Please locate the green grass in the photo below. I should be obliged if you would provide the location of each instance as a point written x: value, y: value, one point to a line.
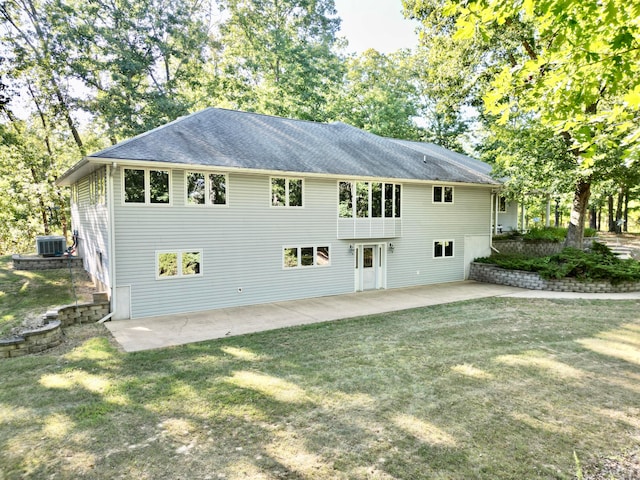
x: 489, y: 389
x: 31, y: 293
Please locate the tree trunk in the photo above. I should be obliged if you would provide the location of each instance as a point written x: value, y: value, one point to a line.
x: 575, y: 233
x: 593, y: 218
x: 619, y: 210
x: 612, y: 222
x: 626, y: 210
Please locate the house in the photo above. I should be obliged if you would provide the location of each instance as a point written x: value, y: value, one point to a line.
x: 224, y: 208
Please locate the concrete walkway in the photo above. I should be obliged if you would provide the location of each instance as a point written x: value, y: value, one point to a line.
x: 163, y: 331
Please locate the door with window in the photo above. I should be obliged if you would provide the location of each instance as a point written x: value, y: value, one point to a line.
x: 369, y: 263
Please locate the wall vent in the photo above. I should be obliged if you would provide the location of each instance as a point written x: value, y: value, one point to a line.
x: 51, y: 246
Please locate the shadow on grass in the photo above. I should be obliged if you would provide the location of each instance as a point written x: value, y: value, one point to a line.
x: 498, y: 388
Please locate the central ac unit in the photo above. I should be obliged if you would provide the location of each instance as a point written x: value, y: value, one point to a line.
x: 51, y: 246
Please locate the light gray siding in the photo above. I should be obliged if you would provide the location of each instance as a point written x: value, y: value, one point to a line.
x: 242, y: 243
x: 89, y: 216
x: 509, y: 220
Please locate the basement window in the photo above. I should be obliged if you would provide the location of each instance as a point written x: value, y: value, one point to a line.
x: 305, y: 257
x: 180, y: 263
x: 443, y: 248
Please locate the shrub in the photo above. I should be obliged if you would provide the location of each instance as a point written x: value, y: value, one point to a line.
x: 598, y: 264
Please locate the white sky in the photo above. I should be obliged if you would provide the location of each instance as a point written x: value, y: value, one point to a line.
x: 377, y: 24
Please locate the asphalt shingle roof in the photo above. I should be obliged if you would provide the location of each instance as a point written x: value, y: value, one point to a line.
x: 226, y: 138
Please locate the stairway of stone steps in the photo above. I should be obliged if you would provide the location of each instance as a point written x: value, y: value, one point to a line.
x: 621, y: 251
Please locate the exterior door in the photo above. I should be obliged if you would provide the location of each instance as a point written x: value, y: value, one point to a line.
x: 369, y: 263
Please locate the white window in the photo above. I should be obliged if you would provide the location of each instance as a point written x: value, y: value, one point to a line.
x: 206, y: 188
x: 442, y: 194
x: 146, y: 186
x: 443, y: 248
x: 302, y: 257
x: 502, y: 204
x: 371, y: 199
x: 178, y: 264
x: 74, y: 194
x: 286, y: 192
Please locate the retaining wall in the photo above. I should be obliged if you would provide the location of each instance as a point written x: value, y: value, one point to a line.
x: 534, y: 249
x: 50, y: 335
x: 34, y: 262
x: 484, y: 272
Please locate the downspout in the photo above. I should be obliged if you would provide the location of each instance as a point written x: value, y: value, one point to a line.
x: 111, y: 225
x: 494, y: 230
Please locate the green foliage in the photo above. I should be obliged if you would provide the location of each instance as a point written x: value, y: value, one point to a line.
x: 598, y: 264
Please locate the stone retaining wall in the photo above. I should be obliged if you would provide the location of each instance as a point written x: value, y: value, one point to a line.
x: 82, y: 313
x: 34, y: 262
x: 487, y: 273
x: 533, y: 249
x: 33, y: 341
x: 50, y: 335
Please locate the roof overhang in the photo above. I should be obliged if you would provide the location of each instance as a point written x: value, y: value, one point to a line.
x: 89, y: 164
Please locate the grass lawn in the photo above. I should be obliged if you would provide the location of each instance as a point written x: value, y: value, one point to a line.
x: 489, y: 389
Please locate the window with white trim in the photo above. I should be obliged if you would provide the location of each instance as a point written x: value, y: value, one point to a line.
x: 442, y: 194
x: 286, y: 192
x: 146, y: 186
x: 303, y: 257
x: 443, y: 248
x: 371, y: 199
x: 206, y: 188
x: 502, y: 204
x: 178, y: 263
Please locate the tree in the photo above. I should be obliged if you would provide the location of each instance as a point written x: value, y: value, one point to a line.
x: 379, y: 95
x: 571, y: 65
x: 138, y: 60
x: 278, y: 56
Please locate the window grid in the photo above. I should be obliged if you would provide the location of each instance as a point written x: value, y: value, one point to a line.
x: 443, y: 249
x: 142, y: 186
x: 442, y: 194
x: 184, y: 263
x: 294, y: 257
x: 369, y: 199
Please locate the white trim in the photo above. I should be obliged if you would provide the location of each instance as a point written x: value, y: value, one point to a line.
x: 299, y: 256
x: 179, y: 253
x: 443, y: 256
x: 207, y: 189
x: 354, y: 198
x: 154, y: 165
x: 147, y: 187
x: 287, y: 180
x: 443, y: 202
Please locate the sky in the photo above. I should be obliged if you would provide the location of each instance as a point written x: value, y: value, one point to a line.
x: 377, y: 24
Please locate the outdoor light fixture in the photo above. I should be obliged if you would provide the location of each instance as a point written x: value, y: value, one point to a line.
x: 351, y: 248
x: 391, y: 247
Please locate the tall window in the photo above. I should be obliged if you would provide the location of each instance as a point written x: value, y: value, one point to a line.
x: 146, y: 186
x: 442, y: 194
x: 371, y: 199
x: 502, y: 204
x: 206, y: 188
x: 286, y: 192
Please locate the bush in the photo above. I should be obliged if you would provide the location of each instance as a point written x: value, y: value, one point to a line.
x: 598, y: 264
x: 546, y: 234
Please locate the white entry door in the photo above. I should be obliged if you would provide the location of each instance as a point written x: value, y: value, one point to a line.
x: 369, y: 267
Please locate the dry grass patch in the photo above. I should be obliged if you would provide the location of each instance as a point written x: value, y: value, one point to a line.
x: 495, y: 388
